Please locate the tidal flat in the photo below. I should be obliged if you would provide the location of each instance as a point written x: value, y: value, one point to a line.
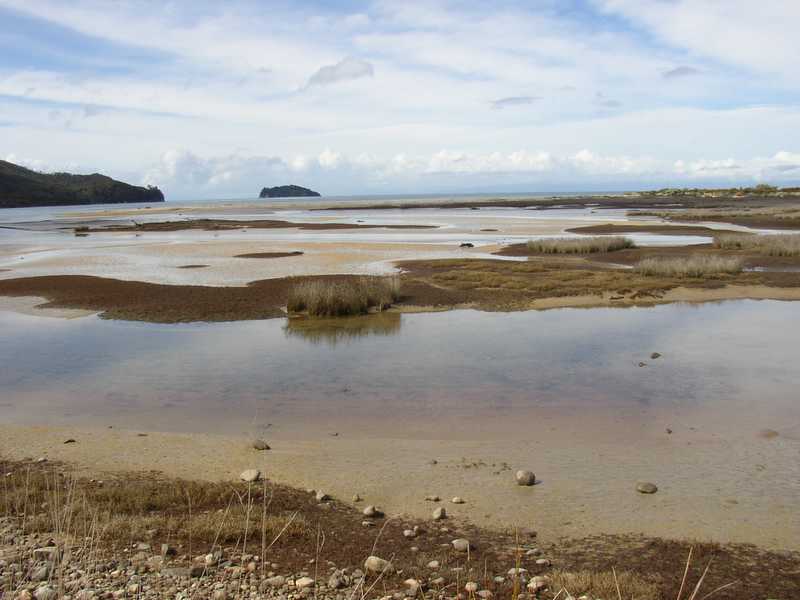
x: 179, y: 351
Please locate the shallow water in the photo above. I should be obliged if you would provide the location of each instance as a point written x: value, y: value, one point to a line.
x: 736, y: 358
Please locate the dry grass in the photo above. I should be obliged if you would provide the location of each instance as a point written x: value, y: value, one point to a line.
x: 701, y: 265
x: 320, y: 298
x: 603, y: 584
x: 771, y: 245
x: 781, y: 213
x: 582, y: 245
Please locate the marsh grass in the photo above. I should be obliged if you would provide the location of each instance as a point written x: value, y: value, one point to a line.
x: 701, y: 265
x: 582, y: 245
x: 320, y: 298
x: 771, y: 245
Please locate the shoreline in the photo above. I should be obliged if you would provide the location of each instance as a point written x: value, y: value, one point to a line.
x: 425, y: 555
x: 343, y: 466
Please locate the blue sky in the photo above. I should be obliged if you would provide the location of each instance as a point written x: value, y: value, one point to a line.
x: 213, y: 100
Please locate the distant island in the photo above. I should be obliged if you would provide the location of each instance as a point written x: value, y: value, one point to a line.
x: 287, y: 191
x: 21, y: 187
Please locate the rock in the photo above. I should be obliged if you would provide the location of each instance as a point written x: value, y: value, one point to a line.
x: 525, y: 478
x: 45, y: 592
x: 485, y: 594
x: 533, y: 552
x: 439, y: 581
x: 645, y: 487
x: 357, y: 498
x: 538, y: 583
x: 515, y: 571
x: 367, y: 524
x: 642, y: 364
x: 250, y: 475
x: 655, y: 355
x: 372, y: 512
x: 260, y: 444
x: 412, y: 585
x: 434, y: 565
x: 338, y: 580
x: 439, y: 513
x: 461, y: 545
x: 322, y: 496
x: 167, y: 550
x: 69, y: 441
x: 409, y: 533
x: 432, y: 498
x: 471, y: 587
x: 466, y: 245
x: 276, y: 581
x: 457, y: 500
x: 542, y: 562
x: 41, y: 573
x: 374, y: 564
x: 303, y: 582
x: 219, y: 595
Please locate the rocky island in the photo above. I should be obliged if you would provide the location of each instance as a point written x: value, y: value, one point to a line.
x: 21, y: 187
x: 287, y: 191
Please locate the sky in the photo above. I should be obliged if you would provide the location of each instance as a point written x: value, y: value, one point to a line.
x: 211, y: 99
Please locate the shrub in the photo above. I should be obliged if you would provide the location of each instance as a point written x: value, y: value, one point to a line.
x: 582, y: 245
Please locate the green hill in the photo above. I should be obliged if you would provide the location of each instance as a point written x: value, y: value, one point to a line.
x: 20, y: 187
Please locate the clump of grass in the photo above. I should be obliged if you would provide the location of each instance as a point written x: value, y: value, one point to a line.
x: 771, y: 245
x: 320, y: 298
x: 701, y: 265
x: 582, y: 245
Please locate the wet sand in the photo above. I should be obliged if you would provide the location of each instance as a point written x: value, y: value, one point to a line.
x: 587, y: 486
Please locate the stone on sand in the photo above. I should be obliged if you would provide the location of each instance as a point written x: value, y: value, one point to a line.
x: 525, y: 477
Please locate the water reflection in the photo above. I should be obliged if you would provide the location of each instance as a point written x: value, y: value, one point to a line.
x: 333, y: 331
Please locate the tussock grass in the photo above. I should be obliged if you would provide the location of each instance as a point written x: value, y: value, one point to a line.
x: 701, y: 265
x: 771, y: 245
x: 321, y: 298
x: 582, y: 245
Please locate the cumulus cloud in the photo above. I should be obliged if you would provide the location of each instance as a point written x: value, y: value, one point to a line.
x: 345, y: 70
x: 679, y: 72
x: 512, y: 101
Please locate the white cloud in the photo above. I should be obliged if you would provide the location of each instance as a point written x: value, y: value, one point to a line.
x: 511, y: 101
x: 346, y: 69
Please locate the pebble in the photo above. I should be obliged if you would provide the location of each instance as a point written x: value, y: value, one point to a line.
x: 655, y: 355
x: 525, y: 477
x: 372, y: 512
x: 303, y: 583
x: 357, y: 498
x: 439, y: 513
x: 434, y: 565
x: 645, y: 487
x: 432, y: 498
x: 471, y: 587
x: 375, y: 564
x: 457, y: 500
x: 542, y: 562
x: 260, y: 444
x: 461, y: 545
x: 515, y: 571
x: 322, y: 496
x: 537, y: 583
x: 250, y: 475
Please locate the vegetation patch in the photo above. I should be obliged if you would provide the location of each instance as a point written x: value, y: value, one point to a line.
x: 771, y: 245
x: 701, y: 265
x: 320, y: 298
x: 582, y: 245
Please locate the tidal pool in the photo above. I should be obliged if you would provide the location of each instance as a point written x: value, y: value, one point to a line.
x: 735, y: 359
